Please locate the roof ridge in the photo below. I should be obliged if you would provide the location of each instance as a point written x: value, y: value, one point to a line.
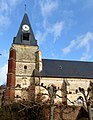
x: 67, y: 60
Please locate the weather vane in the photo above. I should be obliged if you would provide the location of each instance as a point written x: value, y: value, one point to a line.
x: 25, y: 7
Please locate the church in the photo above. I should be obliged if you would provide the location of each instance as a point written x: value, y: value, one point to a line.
x: 27, y: 67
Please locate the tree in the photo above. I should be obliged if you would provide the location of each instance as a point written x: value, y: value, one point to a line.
x: 2, y: 92
x: 52, y: 94
x: 87, y: 98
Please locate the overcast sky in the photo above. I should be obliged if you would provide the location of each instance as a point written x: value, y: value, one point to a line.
x: 63, y: 28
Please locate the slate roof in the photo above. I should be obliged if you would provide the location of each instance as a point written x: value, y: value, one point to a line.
x: 66, y: 68
x: 18, y: 38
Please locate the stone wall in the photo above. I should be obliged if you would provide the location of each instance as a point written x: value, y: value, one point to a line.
x: 25, y: 64
x: 72, y: 85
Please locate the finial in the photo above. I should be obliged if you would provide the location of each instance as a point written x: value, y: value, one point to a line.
x: 25, y: 8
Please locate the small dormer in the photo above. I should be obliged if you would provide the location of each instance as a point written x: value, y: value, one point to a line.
x: 25, y: 34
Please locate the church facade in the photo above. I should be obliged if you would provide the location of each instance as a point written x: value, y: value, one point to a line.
x: 26, y: 67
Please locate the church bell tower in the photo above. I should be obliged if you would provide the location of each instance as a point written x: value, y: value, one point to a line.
x: 24, y: 58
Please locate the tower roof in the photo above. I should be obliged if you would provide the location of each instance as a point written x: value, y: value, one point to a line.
x: 18, y: 39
